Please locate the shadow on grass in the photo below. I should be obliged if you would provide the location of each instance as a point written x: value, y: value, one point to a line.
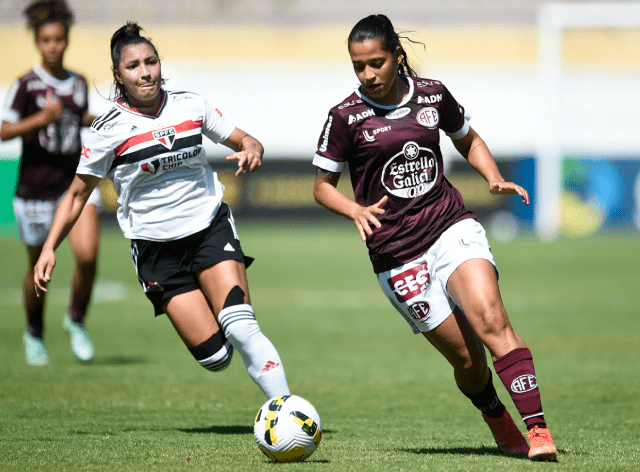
x: 228, y: 430
x: 462, y: 451
x: 118, y: 360
x: 220, y: 430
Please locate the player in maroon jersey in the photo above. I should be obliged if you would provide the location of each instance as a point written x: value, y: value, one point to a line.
x: 46, y: 108
x: 431, y: 256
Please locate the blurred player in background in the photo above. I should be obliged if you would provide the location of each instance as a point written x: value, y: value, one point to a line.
x: 46, y: 108
x: 185, y: 246
x: 431, y: 256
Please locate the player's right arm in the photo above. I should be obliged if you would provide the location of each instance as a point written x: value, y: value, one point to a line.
x: 50, y: 112
x: 326, y: 194
x: 66, y: 215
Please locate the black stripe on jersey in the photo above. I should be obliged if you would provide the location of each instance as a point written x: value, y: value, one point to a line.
x: 100, y: 122
x: 152, y: 151
x: 177, y: 93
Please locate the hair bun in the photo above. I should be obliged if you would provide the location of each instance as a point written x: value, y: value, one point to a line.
x: 130, y: 30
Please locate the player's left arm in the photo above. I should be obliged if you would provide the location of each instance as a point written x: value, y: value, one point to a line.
x: 248, y: 151
x: 475, y: 151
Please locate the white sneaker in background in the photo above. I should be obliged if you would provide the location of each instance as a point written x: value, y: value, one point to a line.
x: 35, y: 350
x: 80, y: 342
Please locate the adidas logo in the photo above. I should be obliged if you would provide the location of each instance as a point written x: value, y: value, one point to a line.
x: 133, y: 128
x: 229, y: 248
x: 270, y: 366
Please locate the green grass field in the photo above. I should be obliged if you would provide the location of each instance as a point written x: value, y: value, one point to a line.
x: 387, y: 398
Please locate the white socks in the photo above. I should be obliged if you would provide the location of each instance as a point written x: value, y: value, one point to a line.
x: 259, y: 355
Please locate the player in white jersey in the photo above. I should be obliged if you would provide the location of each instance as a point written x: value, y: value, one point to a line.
x: 432, y: 259
x: 184, y: 245
x: 46, y: 108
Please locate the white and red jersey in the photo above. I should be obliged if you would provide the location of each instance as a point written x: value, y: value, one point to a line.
x: 394, y: 151
x: 49, y: 154
x: 166, y: 188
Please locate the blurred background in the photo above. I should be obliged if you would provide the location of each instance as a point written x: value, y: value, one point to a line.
x: 552, y: 89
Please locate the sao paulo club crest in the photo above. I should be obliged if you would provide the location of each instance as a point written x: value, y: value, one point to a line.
x: 166, y: 137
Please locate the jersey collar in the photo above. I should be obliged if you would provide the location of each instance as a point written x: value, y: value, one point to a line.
x: 390, y: 107
x: 122, y: 104
x: 64, y: 86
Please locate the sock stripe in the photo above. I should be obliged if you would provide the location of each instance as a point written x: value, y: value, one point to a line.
x: 226, y: 319
x: 525, y: 418
x: 216, y: 363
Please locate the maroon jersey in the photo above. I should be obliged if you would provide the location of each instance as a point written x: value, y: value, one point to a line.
x: 50, y: 155
x: 395, y: 151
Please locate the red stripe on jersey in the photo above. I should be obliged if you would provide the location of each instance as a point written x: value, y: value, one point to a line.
x: 145, y: 137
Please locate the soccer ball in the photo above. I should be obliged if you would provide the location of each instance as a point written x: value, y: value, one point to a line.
x: 287, y: 429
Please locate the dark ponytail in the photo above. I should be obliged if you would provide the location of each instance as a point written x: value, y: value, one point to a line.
x: 41, y: 12
x: 125, y: 36
x: 380, y: 27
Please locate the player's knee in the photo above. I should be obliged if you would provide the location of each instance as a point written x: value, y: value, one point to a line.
x: 215, y: 353
x: 86, y: 263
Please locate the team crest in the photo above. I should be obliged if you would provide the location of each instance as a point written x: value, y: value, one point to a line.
x: 166, y: 137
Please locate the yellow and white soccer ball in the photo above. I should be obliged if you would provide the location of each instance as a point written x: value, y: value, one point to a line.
x: 287, y: 429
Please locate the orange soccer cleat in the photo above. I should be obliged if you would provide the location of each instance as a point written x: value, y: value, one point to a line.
x: 542, y: 446
x: 507, y: 435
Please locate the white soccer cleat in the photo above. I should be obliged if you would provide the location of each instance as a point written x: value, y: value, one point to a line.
x: 35, y: 350
x: 80, y: 342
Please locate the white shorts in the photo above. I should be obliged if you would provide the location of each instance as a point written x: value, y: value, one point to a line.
x: 418, y: 289
x: 34, y: 217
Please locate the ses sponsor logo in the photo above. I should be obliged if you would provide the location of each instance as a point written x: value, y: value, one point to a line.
x: 361, y: 116
x: 166, y: 137
x: 427, y: 83
x: 524, y: 383
x: 348, y: 104
x: 410, y: 173
x: 325, y: 135
x: 430, y: 98
x: 428, y: 117
x: 372, y: 136
x: 410, y: 283
x: 398, y: 113
x: 420, y: 311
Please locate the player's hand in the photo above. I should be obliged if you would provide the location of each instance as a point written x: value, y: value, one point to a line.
x: 367, y: 215
x: 509, y: 188
x: 52, y: 109
x: 248, y: 161
x: 42, y: 271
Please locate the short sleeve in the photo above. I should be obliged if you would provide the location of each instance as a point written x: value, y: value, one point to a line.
x: 15, y: 103
x: 215, y: 126
x: 334, y: 145
x: 97, y: 156
x: 452, y: 120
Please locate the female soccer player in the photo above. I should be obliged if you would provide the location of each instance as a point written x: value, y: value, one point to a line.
x: 184, y: 242
x: 431, y: 256
x: 46, y: 108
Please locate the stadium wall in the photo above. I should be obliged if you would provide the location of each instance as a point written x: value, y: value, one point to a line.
x: 279, y: 83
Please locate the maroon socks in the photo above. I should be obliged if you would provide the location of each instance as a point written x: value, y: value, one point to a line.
x: 519, y: 377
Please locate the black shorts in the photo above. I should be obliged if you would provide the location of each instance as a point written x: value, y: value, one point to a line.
x: 168, y: 268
